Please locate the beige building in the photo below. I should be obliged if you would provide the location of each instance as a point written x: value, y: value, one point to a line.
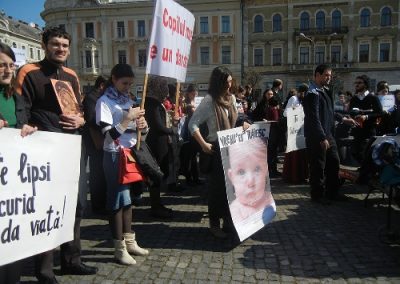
x: 105, y: 33
x: 287, y: 39
x: 276, y: 38
x: 24, y: 38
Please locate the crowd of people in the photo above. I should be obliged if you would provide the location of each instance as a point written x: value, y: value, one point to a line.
x: 177, y: 130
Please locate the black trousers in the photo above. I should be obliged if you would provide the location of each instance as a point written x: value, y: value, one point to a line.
x: 217, y: 199
x: 189, y: 164
x: 70, y: 252
x: 97, y: 181
x: 10, y: 273
x: 324, y: 169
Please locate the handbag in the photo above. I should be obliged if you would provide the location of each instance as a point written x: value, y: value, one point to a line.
x: 129, y: 171
x: 148, y: 164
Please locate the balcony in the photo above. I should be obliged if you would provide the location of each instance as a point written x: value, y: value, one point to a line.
x: 327, y: 31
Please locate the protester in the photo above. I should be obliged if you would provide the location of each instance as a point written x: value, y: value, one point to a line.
x: 160, y: 138
x: 94, y: 141
x: 120, y: 123
x: 44, y: 111
x: 248, y: 173
x: 295, y: 169
x: 219, y: 112
x: 268, y: 109
x: 370, y: 110
x: 320, y: 142
x: 190, y: 149
x: 13, y: 117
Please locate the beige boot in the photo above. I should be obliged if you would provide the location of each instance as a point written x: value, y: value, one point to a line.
x: 121, y: 254
x: 132, y: 246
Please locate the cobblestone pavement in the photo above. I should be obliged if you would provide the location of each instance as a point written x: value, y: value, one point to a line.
x: 306, y: 243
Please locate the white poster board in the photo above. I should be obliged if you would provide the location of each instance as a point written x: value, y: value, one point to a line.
x: 295, y: 132
x: 20, y: 56
x: 244, y: 159
x: 39, y: 177
x: 387, y: 102
x: 170, y: 41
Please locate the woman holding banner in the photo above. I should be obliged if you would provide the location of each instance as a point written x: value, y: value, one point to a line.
x: 218, y: 111
x: 119, y: 123
x: 10, y: 116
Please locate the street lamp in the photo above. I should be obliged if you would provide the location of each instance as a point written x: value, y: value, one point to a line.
x: 312, y: 51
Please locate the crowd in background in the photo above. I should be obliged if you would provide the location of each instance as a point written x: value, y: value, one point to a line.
x: 180, y: 135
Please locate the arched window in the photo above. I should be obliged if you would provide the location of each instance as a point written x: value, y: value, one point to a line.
x: 336, y: 20
x: 258, y: 24
x: 277, y: 23
x: 386, y: 17
x: 320, y: 20
x: 304, y: 21
x: 365, y: 18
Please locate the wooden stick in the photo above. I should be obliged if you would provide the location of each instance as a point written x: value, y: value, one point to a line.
x: 178, y: 88
x: 139, y: 134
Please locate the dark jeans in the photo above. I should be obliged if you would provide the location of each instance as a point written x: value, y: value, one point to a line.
x: 10, y: 273
x: 324, y: 169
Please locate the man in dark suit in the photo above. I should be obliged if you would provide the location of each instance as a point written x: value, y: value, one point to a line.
x: 319, y: 125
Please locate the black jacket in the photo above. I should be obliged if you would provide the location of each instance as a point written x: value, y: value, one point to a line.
x: 319, y: 115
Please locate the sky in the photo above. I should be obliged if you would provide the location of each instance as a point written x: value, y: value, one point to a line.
x: 25, y: 10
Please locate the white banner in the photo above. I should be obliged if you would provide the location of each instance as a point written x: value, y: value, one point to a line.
x: 295, y: 132
x: 170, y: 40
x: 38, y: 191
x: 244, y: 158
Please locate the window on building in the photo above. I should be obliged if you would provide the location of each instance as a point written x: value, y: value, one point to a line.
x: 226, y: 54
x: 88, y: 59
x: 122, y: 56
x: 204, y: 25
x: 226, y: 24
x: 319, y: 54
x: 304, y: 55
x: 89, y: 30
x: 142, y: 54
x: 204, y: 55
x: 141, y: 28
x: 277, y: 23
x: 386, y: 17
x: 23, y: 46
x: 384, y: 52
x: 304, y: 21
x: 31, y: 52
x: 258, y: 57
x: 258, y: 24
x: 365, y: 18
x: 277, y: 56
x: 14, y: 45
x: 38, y: 54
x: 320, y: 20
x: 364, y: 53
x: 335, y: 53
x: 96, y: 59
x: 336, y: 20
x: 121, y: 29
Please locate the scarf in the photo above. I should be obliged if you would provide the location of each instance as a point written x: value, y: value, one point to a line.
x: 222, y: 105
x: 116, y: 96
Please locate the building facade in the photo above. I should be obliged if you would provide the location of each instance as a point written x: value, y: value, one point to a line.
x: 275, y: 38
x: 24, y: 38
x: 105, y: 33
x: 287, y: 39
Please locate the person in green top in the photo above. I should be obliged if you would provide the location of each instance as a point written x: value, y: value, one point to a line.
x: 10, y: 117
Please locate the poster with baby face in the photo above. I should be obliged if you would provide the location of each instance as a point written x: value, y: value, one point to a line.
x: 244, y: 159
